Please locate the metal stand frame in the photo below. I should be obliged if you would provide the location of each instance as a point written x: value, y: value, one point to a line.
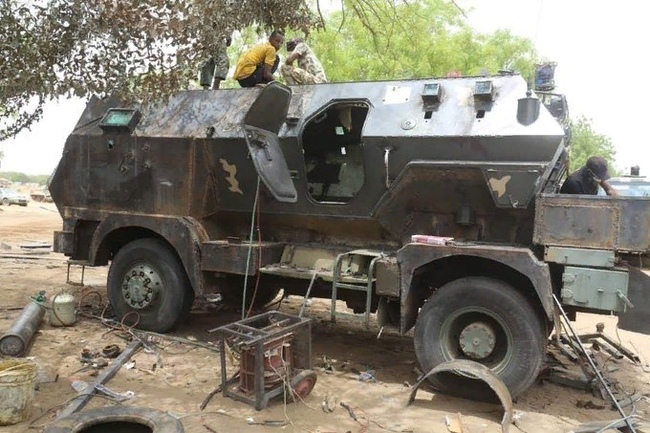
x: 258, y: 333
x: 81, y: 263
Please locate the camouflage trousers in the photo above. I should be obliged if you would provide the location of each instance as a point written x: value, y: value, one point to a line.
x: 215, y: 67
x: 296, y: 76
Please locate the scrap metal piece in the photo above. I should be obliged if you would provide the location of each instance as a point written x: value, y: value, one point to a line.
x: 601, y: 426
x: 615, y: 345
x: 84, y: 396
x: 478, y: 371
x: 111, y: 351
x: 567, y: 351
x: 569, y: 378
x: 593, y: 366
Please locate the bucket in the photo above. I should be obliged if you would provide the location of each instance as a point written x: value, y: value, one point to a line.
x: 17, y: 384
x: 62, y: 312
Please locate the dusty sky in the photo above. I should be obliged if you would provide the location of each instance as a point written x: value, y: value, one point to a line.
x: 597, y: 45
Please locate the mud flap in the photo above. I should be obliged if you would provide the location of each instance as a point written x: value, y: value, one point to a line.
x: 262, y: 124
x: 636, y: 318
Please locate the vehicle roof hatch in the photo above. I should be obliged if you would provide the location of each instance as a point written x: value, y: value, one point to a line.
x: 261, y: 126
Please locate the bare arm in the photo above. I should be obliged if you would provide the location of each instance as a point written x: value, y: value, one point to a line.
x: 609, y: 190
x: 267, y: 73
x: 292, y: 57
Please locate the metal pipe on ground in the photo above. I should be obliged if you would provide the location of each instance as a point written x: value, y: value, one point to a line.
x: 16, y: 340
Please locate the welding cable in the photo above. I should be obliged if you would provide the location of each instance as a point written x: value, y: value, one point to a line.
x: 92, y: 292
x: 250, y: 250
x: 259, y: 260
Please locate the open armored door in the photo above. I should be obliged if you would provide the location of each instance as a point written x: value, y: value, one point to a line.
x: 261, y: 126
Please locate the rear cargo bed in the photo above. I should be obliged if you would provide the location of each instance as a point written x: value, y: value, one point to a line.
x: 621, y: 224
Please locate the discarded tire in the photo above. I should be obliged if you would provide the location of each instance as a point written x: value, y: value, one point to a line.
x: 118, y: 419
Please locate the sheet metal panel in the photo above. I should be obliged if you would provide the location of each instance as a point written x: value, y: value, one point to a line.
x: 613, y: 223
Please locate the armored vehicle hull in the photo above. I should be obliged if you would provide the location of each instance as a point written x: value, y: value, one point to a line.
x: 412, y: 199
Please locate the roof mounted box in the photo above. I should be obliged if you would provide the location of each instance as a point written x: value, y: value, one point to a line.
x: 120, y: 120
x: 484, y: 91
x: 431, y: 93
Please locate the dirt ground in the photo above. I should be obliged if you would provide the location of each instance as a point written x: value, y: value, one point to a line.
x: 185, y: 374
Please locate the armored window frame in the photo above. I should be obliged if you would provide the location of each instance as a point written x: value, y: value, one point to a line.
x: 333, y: 152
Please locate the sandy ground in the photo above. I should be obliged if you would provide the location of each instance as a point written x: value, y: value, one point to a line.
x: 186, y: 374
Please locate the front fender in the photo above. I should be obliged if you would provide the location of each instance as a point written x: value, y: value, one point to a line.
x: 184, y: 234
x: 414, y: 256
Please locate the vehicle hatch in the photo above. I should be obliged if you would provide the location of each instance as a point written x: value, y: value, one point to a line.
x: 261, y: 126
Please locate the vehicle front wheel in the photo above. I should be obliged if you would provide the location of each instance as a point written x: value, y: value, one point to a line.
x: 146, y: 277
x: 483, y: 320
x: 6, y: 202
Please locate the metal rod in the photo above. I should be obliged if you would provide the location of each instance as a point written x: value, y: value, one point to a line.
x: 304, y: 301
x: 86, y: 395
x: 593, y: 366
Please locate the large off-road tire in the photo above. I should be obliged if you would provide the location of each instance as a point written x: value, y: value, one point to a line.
x: 146, y: 277
x: 6, y: 202
x: 483, y: 320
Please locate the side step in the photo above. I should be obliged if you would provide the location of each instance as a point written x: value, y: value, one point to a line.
x: 82, y: 264
x: 339, y: 283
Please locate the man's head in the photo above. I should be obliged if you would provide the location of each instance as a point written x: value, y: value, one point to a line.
x: 276, y: 39
x: 292, y: 43
x: 598, y: 168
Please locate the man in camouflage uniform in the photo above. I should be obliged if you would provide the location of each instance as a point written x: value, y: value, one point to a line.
x: 309, y: 69
x: 215, y: 69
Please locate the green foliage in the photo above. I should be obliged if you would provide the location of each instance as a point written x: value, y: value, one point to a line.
x: 14, y: 176
x: 587, y: 142
x: 423, y: 38
x: 145, y: 49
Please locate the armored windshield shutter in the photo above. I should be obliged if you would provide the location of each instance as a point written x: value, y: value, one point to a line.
x: 261, y: 126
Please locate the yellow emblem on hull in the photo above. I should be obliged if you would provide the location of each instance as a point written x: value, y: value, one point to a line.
x: 231, y: 169
x: 499, y: 185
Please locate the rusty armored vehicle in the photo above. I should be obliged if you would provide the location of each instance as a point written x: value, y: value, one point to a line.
x: 431, y: 203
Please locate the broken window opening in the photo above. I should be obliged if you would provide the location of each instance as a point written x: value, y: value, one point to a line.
x: 333, y: 153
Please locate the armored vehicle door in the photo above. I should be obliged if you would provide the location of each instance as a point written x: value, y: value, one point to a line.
x: 261, y: 126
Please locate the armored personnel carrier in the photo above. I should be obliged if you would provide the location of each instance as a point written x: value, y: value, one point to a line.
x: 431, y: 203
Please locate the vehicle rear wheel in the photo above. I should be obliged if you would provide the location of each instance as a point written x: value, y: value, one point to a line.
x: 146, y: 277
x: 483, y: 320
x: 6, y: 202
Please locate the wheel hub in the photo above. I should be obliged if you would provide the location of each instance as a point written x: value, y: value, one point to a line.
x: 477, y: 340
x: 140, y: 286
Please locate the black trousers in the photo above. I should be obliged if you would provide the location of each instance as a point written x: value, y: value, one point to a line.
x: 257, y: 77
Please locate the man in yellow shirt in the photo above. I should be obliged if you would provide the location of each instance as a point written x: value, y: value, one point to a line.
x: 257, y: 65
